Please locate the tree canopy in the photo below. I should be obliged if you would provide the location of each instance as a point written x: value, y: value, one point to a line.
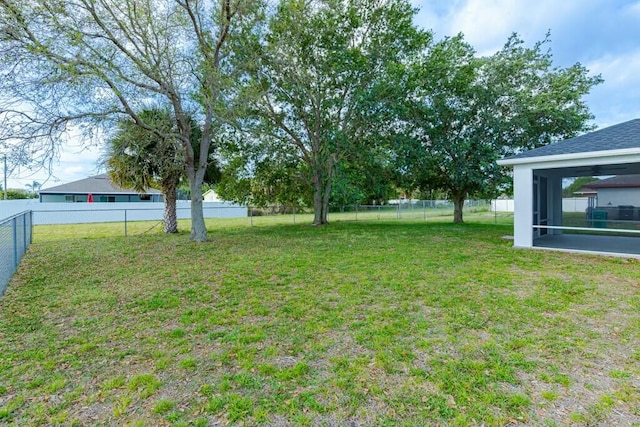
x: 140, y: 159
x: 83, y: 65
x: 465, y: 112
x: 320, y: 102
x: 577, y: 185
x: 260, y: 173
x: 320, y: 71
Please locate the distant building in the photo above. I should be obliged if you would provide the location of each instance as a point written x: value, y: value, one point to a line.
x: 211, y: 196
x: 99, y: 188
x: 616, y: 191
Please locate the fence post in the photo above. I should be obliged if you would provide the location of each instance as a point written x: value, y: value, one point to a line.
x: 251, y: 216
x: 24, y: 232
x: 30, y: 227
x: 14, y: 225
x: 125, y: 223
x: 424, y: 210
x: 398, y: 214
x: 356, y: 211
x: 294, y: 214
x: 379, y: 208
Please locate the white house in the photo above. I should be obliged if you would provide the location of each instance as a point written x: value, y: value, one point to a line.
x: 538, y: 175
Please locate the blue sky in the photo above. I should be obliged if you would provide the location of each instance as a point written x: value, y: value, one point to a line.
x: 603, y: 35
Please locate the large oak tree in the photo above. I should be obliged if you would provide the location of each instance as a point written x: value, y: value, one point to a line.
x: 320, y: 73
x: 84, y: 64
x: 465, y: 112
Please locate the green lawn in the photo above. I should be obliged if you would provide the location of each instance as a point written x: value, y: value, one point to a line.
x: 578, y: 219
x: 359, y: 323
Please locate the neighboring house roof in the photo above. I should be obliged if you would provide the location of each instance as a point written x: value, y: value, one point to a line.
x: 586, y: 191
x: 617, y: 137
x: 619, y: 181
x: 99, y: 184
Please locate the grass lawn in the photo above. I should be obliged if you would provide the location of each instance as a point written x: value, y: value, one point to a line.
x: 578, y: 219
x: 359, y: 323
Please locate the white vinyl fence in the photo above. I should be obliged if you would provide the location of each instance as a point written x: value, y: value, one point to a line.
x: 502, y: 205
x: 17, y: 218
x: 575, y: 204
x: 82, y: 213
x: 569, y: 204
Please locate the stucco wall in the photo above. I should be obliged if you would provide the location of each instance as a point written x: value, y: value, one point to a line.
x: 618, y: 196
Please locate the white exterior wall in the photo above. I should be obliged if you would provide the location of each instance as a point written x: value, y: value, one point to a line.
x: 618, y: 196
x: 80, y: 213
x: 523, y: 203
x: 211, y: 196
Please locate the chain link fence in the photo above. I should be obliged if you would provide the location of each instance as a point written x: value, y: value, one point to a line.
x: 107, y: 219
x: 16, y: 231
x: 473, y: 210
x: 15, y: 238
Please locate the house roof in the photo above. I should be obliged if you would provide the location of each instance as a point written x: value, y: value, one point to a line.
x: 99, y: 184
x: 619, y: 181
x: 617, y: 137
x: 586, y: 191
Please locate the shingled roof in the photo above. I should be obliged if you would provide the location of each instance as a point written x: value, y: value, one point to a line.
x: 99, y: 184
x: 618, y: 181
x: 616, y: 137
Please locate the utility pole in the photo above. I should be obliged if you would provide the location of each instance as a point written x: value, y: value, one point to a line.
x: 5, y: 177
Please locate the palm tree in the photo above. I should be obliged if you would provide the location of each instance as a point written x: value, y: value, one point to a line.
x: 139, y: 159
x: 34, y: 187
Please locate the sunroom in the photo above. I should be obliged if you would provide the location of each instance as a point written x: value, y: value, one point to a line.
x: 609, y: 224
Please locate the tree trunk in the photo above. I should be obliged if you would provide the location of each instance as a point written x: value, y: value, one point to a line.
x: 195, y: 170
x: 458, y: 204
x: 317, y: 198
x: 198, y: 227
x: 170, y: 216
x: 321, y: 194
x: 325, y: 198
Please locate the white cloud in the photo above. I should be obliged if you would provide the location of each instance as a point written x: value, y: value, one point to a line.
x: 75, y: 153
x: 617, y: 99
x: 75, y: 162
x: 78, y: 158
x: 620, y: 71
x: 634, y: 9
x: 601, y: 34
x: 487, y: 24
